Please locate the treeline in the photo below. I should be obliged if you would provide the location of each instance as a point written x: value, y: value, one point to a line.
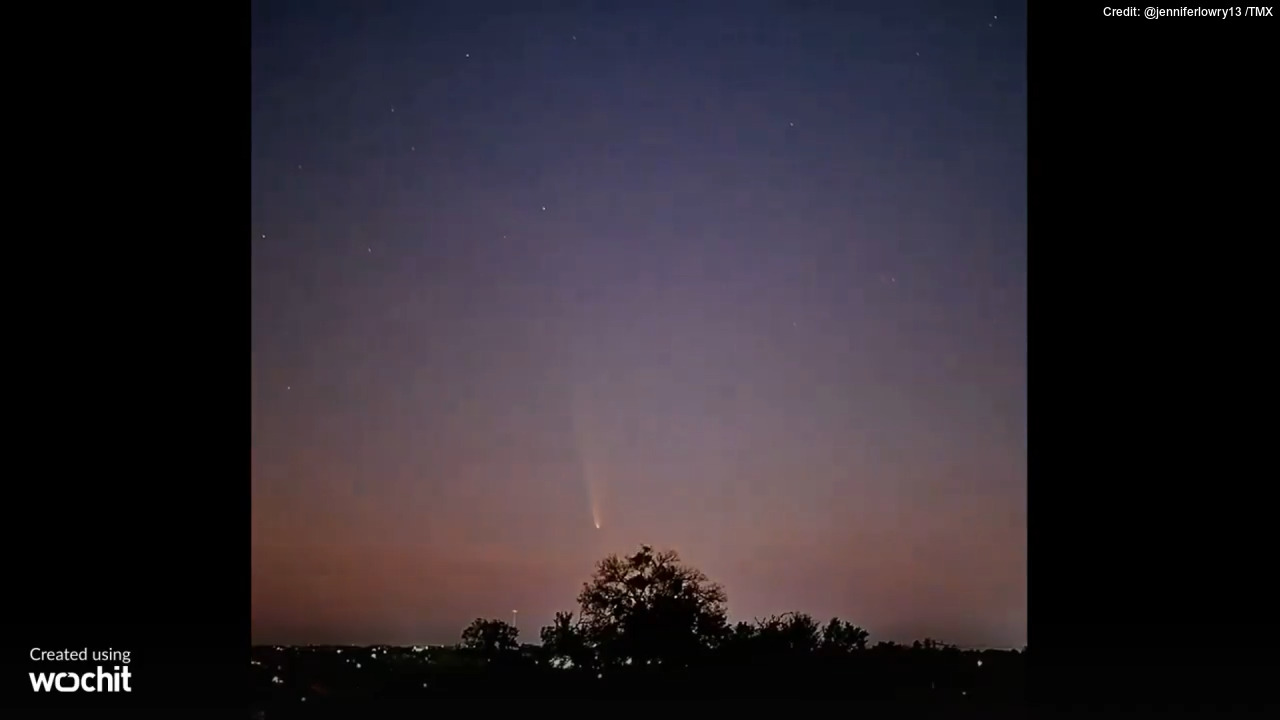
x: 648, y: 627
x: 648, y: 618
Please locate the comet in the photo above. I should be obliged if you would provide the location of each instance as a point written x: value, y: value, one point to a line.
x: 587, y: 442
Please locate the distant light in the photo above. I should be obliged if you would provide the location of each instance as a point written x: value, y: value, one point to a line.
x: 339, y: 651
x: 979, y: 663
x: 357, y: 666
x: 599, y: 676
x: 468, y: 54
x: 304, y: 699
x: 277, y: 680
x: 544, y: 207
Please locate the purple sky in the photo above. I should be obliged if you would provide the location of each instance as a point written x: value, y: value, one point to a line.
x: 743, y: 279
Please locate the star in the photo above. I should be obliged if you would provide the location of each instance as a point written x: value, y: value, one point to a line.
x: 393, y: 109
x: 544, y: 207
x: 413, y: 148
x: 264, y: 236
x: 369, y: 249
x: 792, y: 124
x: 468, y: 55
x: 288, y: 387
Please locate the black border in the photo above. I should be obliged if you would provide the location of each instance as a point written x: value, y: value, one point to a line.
x: 128, y: 484
x: 1151, y: 184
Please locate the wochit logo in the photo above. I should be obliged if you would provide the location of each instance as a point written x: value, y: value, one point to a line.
x: 98, y: 680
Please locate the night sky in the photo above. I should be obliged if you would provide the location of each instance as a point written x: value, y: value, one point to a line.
x: 743, y: 279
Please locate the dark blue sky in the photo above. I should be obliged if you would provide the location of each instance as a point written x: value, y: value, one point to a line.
x: 746, y: 279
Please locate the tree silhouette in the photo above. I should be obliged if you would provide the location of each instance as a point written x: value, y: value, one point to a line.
x: 648, y: 608
x: 490, y: 639
x: 648, y: 621
x: 565, y: 643
x: 788, y: 635
x: 839, y: 637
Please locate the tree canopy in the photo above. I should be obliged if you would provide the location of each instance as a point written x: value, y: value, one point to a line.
x: 490, y: 638
x: 648, y: 613
x: 650, y: 608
